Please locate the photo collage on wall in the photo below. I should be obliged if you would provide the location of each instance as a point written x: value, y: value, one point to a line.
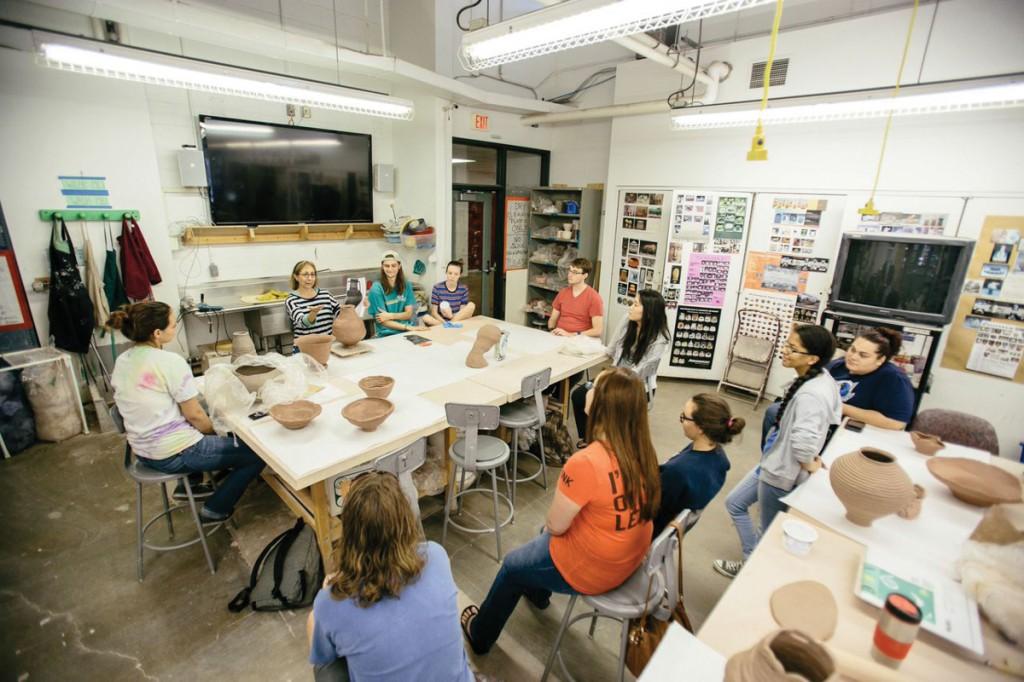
x: 730, y: 219
x: 692, y: 218
x: 765, y: 272
x: 694, y: 337
x: 642, y: 211
x: 637, y: 264
x: 932, y: 224
x: 795, y: 224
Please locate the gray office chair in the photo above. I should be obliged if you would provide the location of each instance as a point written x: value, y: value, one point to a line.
x: 478, y: 454
x: 526, y: 413
x: 652, y: 589
x: 142, y: 474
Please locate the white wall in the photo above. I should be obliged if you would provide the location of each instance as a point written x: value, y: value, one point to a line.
x: 949, y: 155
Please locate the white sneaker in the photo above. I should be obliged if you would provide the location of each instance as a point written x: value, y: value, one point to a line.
x: 727, y: 568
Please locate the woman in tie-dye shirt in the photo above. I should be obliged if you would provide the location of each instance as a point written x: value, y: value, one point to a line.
x: 167, y: 428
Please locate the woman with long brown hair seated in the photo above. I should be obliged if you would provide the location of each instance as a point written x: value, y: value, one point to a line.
x: 599, y: 524
x: 389, y: 611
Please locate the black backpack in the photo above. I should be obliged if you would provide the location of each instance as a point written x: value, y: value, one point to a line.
x: 296, y: 575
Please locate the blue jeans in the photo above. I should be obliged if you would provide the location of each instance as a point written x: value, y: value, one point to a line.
x: 214, y: 453
x: 768, y: 421
x: 747, y: 492
x: 526, y: 571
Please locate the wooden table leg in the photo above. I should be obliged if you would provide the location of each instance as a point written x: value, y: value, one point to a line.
x: 322, y: 525
x: 450, y: 436
x: 565, y: 400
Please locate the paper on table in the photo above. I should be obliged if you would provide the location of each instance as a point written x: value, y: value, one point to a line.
x: 680, y: 656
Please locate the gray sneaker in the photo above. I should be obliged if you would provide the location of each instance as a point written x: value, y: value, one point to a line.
x: 727, y: 568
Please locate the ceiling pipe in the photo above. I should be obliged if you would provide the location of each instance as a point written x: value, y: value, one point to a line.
x: 716, y: 72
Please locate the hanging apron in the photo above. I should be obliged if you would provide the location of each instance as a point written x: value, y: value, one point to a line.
x: 70, y: 310
x: 94, y: 285
x: 136, y: 279
x: 112, y: 285
x: 145, y: 257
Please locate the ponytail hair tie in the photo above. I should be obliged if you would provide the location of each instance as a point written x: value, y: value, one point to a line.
x: 729, y: 423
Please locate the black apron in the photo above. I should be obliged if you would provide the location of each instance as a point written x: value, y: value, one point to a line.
x: 70, y: 314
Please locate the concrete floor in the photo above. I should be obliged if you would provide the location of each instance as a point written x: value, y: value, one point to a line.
x: 73, y: 608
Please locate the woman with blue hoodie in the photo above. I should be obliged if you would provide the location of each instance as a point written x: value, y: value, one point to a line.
x: 807, y: 414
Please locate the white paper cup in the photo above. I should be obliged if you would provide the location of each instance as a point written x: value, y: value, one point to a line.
x: 797, y: 537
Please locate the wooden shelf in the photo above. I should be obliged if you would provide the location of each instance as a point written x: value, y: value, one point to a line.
x: 544, y: 287
x: 554, y: 239
x: 241, y: 234
x: 557, y: 215
x: 545, y: 264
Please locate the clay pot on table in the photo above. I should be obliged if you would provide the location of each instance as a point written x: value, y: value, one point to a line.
x: 870, y: 484
x: 488, y: 335
x: 377, y: 386
x: 296, y: 414
x: 782, y: 656
x: 975, y: 482
x: 317, y: 346
x: 368, y: 413
x: 241, y: 344
x: 926, y: 443
x: 913, y: 509
x: 348, y: 327
x: 254, y: 376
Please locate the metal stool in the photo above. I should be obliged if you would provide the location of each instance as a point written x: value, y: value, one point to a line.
x: 647, y: 375
x: 526, y: 413
x: 652, y: 589
x: 401, y: 463
x: 142, y: 474
x: 478, y: 454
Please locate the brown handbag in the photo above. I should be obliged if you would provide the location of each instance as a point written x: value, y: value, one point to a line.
x: 645, y: 632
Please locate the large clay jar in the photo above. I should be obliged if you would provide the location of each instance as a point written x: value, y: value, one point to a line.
x: 870, y: 484
x: 782, y: 656
x: 348, y: 327
x: 485, y: 340
x: 241, y: 344
x: 317, y: 346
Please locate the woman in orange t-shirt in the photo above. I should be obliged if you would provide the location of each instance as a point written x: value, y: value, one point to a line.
x: 599, y: 524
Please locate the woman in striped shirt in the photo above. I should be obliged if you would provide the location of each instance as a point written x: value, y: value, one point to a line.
x: 310, y: 309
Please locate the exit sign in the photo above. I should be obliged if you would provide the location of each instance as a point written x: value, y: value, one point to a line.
x: 480, y: 122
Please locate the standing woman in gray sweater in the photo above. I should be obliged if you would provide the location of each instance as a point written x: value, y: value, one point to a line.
x: 639, y: 342
x: 809, y: 409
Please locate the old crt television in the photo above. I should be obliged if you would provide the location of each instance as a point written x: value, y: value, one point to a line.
x: 912, y: 279
x: 263, y: 173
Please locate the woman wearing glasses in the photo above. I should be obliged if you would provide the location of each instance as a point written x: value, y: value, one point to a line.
x: 807, y: 413
x: 311, y: 310
x: 639, y: 343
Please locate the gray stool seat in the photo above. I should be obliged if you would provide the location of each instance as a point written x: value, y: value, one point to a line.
x: 626, y: 600
x: 491, y: 452
x: 519, y: 414
x: 143, y: 474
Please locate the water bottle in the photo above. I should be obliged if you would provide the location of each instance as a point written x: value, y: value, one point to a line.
x: 502, y: 349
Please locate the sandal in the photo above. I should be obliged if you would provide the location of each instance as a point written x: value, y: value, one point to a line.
x: 465, y: 620
x: 580, y: 444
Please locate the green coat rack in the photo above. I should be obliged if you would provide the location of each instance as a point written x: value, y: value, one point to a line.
x: 49, y: 214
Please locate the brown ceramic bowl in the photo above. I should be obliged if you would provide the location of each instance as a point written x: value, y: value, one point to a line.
x: 975, y: 482
x: 368, y: 413
x: 254, y: 376
x: 295, y: 415
x: 926, y: 443
x: 377, y: 386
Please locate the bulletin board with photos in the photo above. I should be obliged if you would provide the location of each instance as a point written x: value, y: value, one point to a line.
x: 640, y: 231
x: 987, y: 334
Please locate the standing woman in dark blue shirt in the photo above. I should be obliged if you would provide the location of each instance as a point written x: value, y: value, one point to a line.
x: 692, y: 478
x: 873, y: 389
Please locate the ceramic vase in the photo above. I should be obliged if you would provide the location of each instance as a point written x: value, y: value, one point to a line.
x: 870, y: 484
x: 317, y: 346
x: 782, y: 656
x: 241, y: 344
x: 488, y: 335
x: 348, y: 327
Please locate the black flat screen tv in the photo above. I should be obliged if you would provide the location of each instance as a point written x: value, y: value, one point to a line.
x: 912, y: 279
x: 260, y: 173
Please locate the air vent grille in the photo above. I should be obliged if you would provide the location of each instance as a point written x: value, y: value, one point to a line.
x: 780, y: 67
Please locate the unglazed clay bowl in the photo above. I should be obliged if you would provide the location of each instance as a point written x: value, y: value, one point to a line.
x: 975, y: 482
x: 377, y: 386
x: 254, y: 376
x: 295, y: 415
x: 368, y: 413
x: 926, y: 443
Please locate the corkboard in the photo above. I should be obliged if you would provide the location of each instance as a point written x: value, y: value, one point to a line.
x: 961, y: 336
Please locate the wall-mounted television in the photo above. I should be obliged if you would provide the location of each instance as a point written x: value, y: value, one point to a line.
x: 913, y: 279
x: 260, y: 173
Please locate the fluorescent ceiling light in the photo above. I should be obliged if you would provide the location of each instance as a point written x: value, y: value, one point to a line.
x: 582, y: 22
x: 463, y: 160
x: 991, y: 97
x: 177, y: 72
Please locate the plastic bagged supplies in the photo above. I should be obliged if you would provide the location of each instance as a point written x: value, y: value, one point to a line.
x: 582, y: 346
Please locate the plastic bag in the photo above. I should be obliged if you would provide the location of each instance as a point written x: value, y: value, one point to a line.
x: 298, y: 373
x: 53, y: 403
x: 582, y: 346
x: 225, y: 393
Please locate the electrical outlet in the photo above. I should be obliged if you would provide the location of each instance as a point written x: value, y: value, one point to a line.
x: 478, y: 22
x: 289, y: 109
x: 307, y: 112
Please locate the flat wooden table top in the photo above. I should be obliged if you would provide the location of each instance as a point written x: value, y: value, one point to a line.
x: 743, y: 615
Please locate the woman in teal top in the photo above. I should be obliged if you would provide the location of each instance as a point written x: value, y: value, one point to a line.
x: 392, y: 304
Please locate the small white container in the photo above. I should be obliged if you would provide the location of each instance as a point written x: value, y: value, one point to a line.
x: 797, y: 537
